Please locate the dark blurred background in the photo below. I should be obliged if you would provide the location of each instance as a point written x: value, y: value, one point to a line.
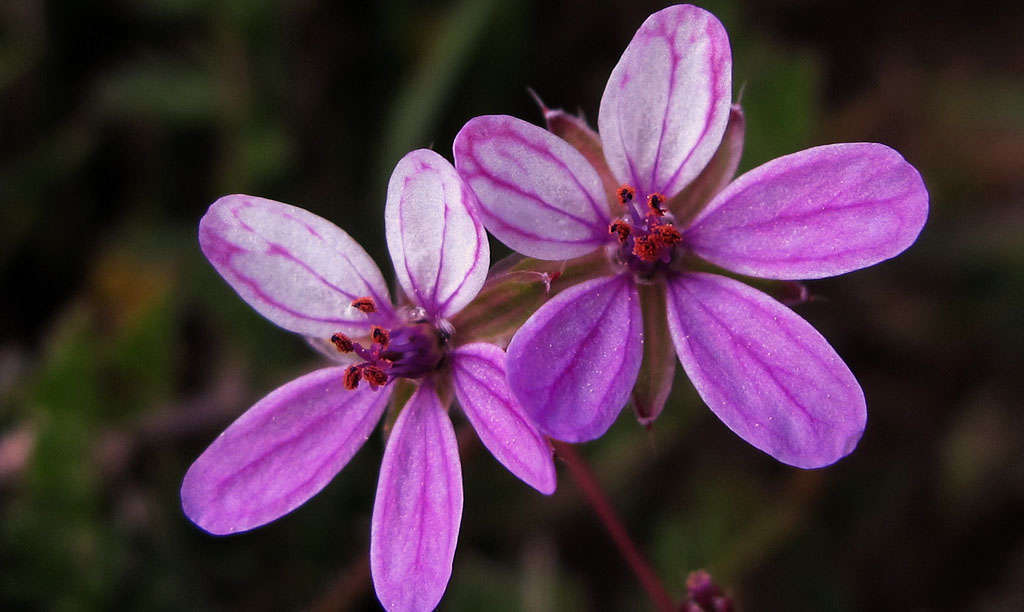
x: 123, y: 354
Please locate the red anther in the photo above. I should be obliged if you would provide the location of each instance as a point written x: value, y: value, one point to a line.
x: 352, y: 376
x: 380, y: 335
x: 374, y: 375
x: 365, y: 304
x: 342, y: 343
x: 654, y: 202
x: 646, y: 249
x: 668, y: 235
x: 621, y: 228
x: 625, y: 194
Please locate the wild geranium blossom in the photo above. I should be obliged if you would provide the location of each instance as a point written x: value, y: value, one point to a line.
x: 653, y: 191
x: 309, y: 277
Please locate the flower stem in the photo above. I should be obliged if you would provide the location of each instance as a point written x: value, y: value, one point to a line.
x: 588, y: 485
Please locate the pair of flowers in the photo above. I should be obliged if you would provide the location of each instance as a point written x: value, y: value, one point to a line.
x: 645, y: 204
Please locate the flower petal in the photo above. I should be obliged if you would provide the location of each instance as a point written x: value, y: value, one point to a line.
x: 280, y: 453
x: 764, y: 371
x: 688, y: 203
x: 437, y: 243
x: 503, y: 427
x: 576, y: 132
x: 667, y: 100
x: 418, y: 509
x: 538, y: 194
x: 298, y: 270
x: 812, y: 214
x: 573, y: 363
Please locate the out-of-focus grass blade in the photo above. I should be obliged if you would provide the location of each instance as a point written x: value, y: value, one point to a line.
x: 417, y: 106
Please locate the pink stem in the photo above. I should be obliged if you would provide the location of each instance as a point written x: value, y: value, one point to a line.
x: 588, y: 485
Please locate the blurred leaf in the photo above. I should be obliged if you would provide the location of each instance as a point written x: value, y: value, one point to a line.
x: 163, y: 91
x: 780, y: 91
x: 265, y: 152
x: 418, y: 103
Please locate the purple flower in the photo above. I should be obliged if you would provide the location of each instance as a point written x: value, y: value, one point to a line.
x: 654, y: 193
x: 309, y: 277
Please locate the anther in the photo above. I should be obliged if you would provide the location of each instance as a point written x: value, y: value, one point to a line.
x: 342, y: 343
x: 365, y: 304
x: 625, y: 194
x: 646, y: 249
x: 654, y: 202
x: 374, y: 375
x: 352, y: 376
x: 668, y: 235
x: 380, y: 335
x: 621, y: 228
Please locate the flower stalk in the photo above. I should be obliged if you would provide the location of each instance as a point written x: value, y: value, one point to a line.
x: 595, y: 496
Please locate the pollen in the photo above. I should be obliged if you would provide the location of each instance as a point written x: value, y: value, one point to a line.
x: 352, y: 376
x: 667, y: 235
x: 380, y: 335
x: 620, y: 228
x: 374, y: 375
x: 646, y: 249
x: 365, y: 304
x: 625, y: 194
x: 654, y: 202
x: 342, y: 343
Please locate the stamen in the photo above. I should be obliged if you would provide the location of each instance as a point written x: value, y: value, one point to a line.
x: 668, y: 235
x: 625, y: 194
x: 352, y: 376
x: 621, y: 228
x: 342, y: 343
x: 365, y: 304
x: 654, y: 202
x: 374, y: 375
x: 380, y: 335
x: 646, y: 249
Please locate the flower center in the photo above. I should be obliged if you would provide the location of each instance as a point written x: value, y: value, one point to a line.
x: 647, y: 234
x: 407, y: 351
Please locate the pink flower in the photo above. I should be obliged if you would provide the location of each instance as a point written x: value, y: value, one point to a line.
x: 654, y: 193
x: 309, y: 277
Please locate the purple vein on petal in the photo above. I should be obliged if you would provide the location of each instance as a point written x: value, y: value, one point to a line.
x: 764, y: 371
x: 533, y: 196
x: 252, y: 243
x: 537, y: 193
x: 280, y: 453
x: 563, y: 367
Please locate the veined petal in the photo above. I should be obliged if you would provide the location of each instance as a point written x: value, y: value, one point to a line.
x: 812, y: 214
x: 280, y: 453
x: 538, y: 194
x: 666, y: 104
x: 576, y: 132
x: 298, y: 270
x: 573, y: 363
x: 437, y: 243
x: 418, y: 508
x: 503, y: 427
x: 764, y: 371
x: 688, y: 203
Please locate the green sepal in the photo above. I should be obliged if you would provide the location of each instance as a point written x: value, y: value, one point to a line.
x: 516, y: 287
x: 658, y: 367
